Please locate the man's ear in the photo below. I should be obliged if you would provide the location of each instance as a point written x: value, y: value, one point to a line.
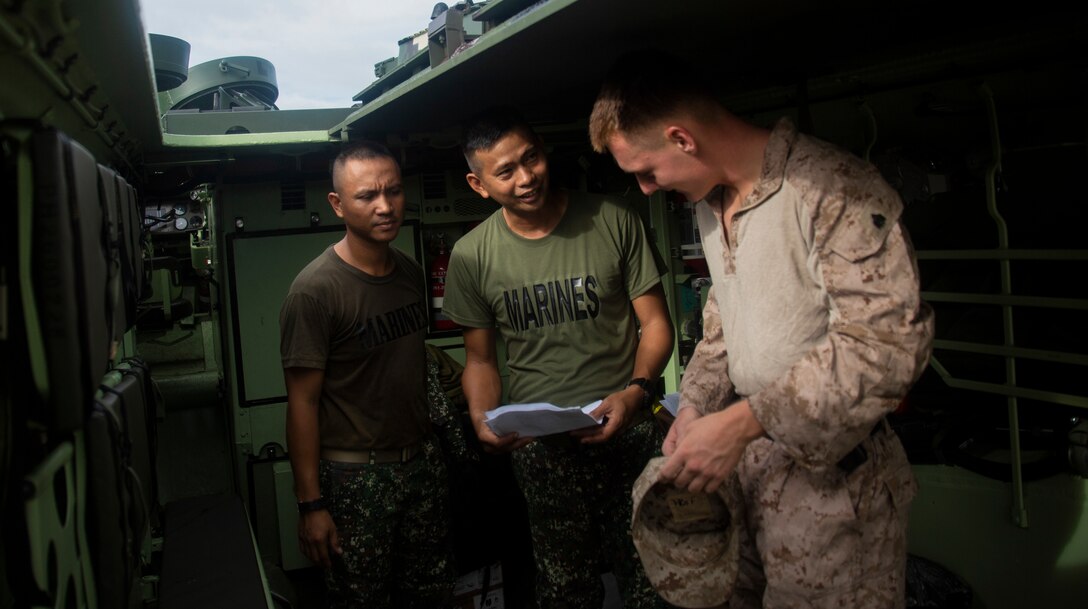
x: 681, y: 138
x: 475, y: 184
x: 334, y: 201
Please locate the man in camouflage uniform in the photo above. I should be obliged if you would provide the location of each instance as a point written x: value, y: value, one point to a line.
x: 369, y: 477
x: 813, y: 332
x: 562, y: 277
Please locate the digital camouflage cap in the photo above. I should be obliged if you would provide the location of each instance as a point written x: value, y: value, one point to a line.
x: 689, y: 542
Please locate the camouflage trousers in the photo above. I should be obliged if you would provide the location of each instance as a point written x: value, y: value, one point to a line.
x: 824, y: 539
x: 393, y: 524
x: 579, y: 503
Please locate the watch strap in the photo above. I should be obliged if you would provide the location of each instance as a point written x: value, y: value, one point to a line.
x: 645, y: 385
x: 305, y: 507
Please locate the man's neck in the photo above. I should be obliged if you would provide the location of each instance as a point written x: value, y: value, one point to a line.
x: 542, y: 222
x: 738, y: 153
x: 370, y: 258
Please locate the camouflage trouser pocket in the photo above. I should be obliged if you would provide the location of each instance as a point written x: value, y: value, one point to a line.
x: 829, y: 539
x: 579, y: 500
x: 392, y: 521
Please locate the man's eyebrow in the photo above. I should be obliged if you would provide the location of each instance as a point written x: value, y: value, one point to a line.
x: 367, y: 190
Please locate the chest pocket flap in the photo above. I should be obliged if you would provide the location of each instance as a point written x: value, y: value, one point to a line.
x: 865, y: 222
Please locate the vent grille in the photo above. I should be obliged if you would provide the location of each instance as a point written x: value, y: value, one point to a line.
x: 474, y: 207
x: 292, y: 196
x: 434, y: 185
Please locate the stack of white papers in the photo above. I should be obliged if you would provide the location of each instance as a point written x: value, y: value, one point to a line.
x: 540, y: 419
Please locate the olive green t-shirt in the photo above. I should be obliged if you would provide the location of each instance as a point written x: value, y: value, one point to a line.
x: 562, y: 303
x: 367, y: 334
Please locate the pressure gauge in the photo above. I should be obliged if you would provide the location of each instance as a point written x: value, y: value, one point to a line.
x: 181, y: 223
x: 179, y: 210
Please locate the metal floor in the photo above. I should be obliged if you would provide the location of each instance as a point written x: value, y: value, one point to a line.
x: 193, y: 436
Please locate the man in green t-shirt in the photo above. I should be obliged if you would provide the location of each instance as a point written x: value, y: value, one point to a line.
x: 562, y: 278
x: 370, y: 481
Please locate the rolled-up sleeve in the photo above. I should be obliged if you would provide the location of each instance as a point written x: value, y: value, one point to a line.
x: 706, y: 385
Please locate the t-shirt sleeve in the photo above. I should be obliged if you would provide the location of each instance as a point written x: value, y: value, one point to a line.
x: 304, y: 332
x: 464, y: 302
x: 642, y: 269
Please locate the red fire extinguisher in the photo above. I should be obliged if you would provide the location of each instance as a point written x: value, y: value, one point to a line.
x: 439, y: 265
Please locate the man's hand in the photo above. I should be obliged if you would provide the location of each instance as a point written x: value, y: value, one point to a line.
x: 483, y: 389
x: 617, y: 411
x: 705, y: 453
x: 317, y: 537
x: 679, y: 429
x: 496, y: 444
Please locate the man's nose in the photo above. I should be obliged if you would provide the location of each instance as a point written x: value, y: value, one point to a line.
x: 383, y: 204
x: 525, y: 176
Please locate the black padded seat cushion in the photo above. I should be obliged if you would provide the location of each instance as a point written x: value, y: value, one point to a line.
x: 108, y: 183
x: 142, y: 427
x: 69, y: 262
x: 132, y: 227
x: 89, y: 230
x: 209, y: 558
x: 114, y: 555
x: 136, y: 445
x: 53, y: 252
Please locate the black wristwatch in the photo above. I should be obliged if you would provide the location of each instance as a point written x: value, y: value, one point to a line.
x: 305, y: 507
x: 644, y: 385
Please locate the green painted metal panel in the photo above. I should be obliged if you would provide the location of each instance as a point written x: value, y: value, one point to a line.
x: 961, y: 521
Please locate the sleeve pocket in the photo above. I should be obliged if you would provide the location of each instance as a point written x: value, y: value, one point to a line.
x: 864, y: 225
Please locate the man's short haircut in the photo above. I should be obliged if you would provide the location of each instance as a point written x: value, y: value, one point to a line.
x: 361, y: 150
x: 488, y: 127
x: 642, y: 88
